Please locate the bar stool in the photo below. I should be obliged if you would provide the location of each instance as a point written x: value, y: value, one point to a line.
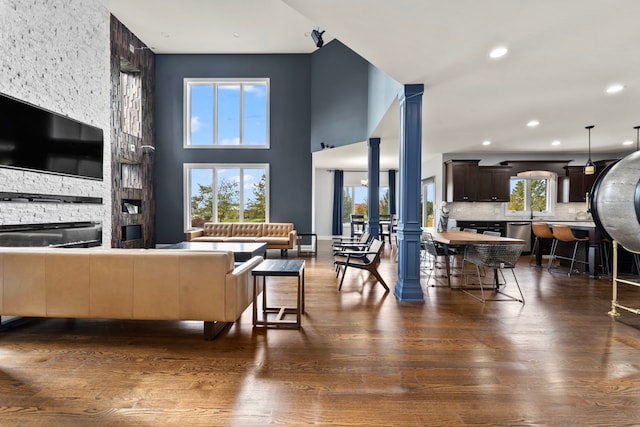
x: 563, y: 233
x: 541, y: 231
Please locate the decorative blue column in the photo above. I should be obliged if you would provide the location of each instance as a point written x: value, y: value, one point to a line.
x: 373, y: 196
x: 408, y: 287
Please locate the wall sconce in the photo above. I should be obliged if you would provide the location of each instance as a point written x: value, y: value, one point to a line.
x: 589, y: 168
x: 364, y: 182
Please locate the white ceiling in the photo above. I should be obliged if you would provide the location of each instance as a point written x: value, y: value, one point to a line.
x: 562, y: 56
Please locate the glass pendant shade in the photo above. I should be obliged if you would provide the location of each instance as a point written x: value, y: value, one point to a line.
x: 590, y: 167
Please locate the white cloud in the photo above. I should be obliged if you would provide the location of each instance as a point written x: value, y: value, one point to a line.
x: 260, y: 90
x: 196, y: 124
x: 230, y: 141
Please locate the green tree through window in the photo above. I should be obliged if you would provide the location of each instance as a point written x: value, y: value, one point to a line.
x: 226, y: 193
x: 257, y: 206
x: 228, y: 201
x: 202, y: 206
x: 529, y: 194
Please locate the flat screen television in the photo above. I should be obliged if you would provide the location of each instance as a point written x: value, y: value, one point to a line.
x: 34, y: 138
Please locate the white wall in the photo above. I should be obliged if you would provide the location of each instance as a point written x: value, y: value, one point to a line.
x: 55, y: 54
x: 323, y: 197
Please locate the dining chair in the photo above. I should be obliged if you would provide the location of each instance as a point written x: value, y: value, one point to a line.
x: 497, y: 257
x: 386, y: 226
x: 357, y: 225
x: 430, y: 253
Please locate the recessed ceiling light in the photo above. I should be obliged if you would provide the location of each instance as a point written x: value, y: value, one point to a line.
x: 498, y: 52
x: 615, y: 88
x: 556, y: 142
x: 487, y: 142
x: 533, y: 123
x: 236, y: 34
x: 627, y: 143
x: 165, y: 35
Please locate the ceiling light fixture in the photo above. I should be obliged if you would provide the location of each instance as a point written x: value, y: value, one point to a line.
x: 589, y: 168
x: 628, y: 142
x: 498, y: 52
x: 236, y: 34
x: 556, y: 142
x: 487, y: 142
x: 316, y: 35
x: 533, y: 123
x: 615, y: 88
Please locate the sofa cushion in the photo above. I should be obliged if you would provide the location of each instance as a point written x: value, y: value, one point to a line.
x: 246, y: 229
x: 277, y: 229
x: 218, y: 229
x: 241, y: 239
x: 273, y: 240
x: 209, y: 239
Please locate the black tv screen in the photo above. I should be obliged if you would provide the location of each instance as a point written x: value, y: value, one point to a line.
x: 34, y: 138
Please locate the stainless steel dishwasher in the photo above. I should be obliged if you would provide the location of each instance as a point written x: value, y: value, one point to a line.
x: 520, y: 230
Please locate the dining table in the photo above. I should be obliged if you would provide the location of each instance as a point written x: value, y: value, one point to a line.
x: 460, y: 238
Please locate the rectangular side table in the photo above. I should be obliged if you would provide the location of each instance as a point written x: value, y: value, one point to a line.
x: 307, y: 244
x: 278, y: 268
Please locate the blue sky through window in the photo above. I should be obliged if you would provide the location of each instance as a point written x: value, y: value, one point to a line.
x: 201, y: 115
x: 238, y: 106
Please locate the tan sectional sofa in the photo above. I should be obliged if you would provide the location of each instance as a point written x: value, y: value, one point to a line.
x: 152, y: 284
x: 277, y: 235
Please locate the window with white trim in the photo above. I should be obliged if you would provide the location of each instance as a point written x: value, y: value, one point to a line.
x: 225, y: 193
x: 355, y: 201
x: 226, y: 113
x: 533, y: 193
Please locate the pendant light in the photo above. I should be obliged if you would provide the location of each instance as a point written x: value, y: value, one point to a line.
x: 589, y: 168
x: 637, y: 128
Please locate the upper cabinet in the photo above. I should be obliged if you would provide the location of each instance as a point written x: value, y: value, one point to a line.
x: 575, y: 186
x: 469, y: 182
x: 462, y: 180
x: 493, y: 183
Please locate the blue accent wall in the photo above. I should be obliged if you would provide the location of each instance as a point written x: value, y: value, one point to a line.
x: 289, y: 156
x: 339, y: 96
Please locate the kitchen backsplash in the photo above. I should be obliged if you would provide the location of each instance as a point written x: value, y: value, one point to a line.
x: 497, y: 211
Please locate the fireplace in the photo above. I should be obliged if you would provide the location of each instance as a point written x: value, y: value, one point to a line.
x: 83, y: 234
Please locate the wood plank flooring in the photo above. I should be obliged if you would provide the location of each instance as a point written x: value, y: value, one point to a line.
x: 361, y: 359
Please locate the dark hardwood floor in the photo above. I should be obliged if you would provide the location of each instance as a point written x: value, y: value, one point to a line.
x: 361, y: 358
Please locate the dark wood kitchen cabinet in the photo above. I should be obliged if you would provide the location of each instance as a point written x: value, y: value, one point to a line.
x: 462, y: 180
x: 493, y: 183
x: 575, y: 185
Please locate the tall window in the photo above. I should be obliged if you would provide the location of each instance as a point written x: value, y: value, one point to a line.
x: 226, y: 113
x: 225, y: 193
x: 428, y: 201
x: 530, y: 195
x: 354, y: 201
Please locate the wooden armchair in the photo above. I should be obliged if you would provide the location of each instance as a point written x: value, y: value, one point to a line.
x: 365, y: 260
x: 345, y: 243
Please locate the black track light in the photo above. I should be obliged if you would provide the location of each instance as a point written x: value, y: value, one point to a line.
x: 317, y: 38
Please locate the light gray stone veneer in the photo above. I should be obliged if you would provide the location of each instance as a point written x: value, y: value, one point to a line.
x: 55, y: 54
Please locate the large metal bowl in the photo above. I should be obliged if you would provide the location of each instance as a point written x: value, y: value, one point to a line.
x: 615, y: 202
